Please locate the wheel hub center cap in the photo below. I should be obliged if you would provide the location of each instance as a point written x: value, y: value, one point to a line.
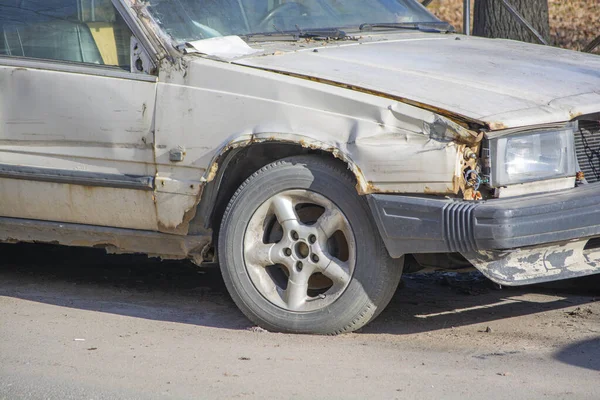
x: 302, y: 250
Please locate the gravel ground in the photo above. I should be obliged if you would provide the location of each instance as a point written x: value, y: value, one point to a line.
x: 77, y: 324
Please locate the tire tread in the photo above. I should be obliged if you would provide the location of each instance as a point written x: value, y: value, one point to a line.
x: 385, y: 287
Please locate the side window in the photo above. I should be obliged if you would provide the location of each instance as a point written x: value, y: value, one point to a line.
x: 85, y: 31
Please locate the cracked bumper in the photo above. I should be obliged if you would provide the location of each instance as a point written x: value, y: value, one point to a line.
x: 513, y: 241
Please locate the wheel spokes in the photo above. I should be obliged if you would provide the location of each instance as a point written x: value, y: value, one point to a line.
x: 331, y: 221
x: 297, y: 292
x: 283, y: 207
x: 338, y: 271
x: 262, y: 255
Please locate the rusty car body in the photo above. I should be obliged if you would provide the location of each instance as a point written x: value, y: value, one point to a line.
x: 488, y: 148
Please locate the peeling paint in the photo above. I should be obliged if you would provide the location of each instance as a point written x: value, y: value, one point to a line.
x: 114, y: 240
x: 363, y: 187
x: 367, y: 132
x: 425, y: 139
x: 212, y: 172
x: 537, y: 264
x: 467, y: 179
x: 496, y: 126
x: 558, y: 259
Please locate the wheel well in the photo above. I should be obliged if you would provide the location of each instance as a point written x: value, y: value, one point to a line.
x: 235, y: 167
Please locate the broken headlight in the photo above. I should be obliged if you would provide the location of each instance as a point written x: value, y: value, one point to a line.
x: 533, y: 156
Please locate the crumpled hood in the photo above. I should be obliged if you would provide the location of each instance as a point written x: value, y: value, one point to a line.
x: 505, y: 84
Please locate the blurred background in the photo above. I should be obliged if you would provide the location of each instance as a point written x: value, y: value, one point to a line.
x: 573, y: 23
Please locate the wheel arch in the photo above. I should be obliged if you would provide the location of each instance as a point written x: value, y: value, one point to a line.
x: 239, y: 160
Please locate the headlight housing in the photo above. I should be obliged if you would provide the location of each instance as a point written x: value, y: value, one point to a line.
x: 531, y: 156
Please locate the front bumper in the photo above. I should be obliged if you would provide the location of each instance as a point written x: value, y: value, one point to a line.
x: 504, y: 236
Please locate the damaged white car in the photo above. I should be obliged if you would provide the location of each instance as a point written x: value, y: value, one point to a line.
x: 307, y: 146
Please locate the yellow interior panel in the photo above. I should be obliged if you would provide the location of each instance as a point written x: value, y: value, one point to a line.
x: 104, y: 36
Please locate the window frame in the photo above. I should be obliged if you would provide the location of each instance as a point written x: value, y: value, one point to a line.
x: 90, y: 68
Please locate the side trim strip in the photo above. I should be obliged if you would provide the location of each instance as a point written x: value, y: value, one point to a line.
x: 77, y: 177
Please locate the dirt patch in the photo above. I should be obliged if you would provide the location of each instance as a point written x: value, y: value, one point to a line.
x: 581, y: 312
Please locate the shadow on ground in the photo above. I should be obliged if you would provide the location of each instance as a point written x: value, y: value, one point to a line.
x: 128, y: 285
x: 582, y: 354
x: 175, y: 291
x: 428, y: 302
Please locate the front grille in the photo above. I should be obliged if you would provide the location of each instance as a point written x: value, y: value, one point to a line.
x: 587, y: 145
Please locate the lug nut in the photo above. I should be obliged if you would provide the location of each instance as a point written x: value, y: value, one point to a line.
x: 315, y: 258
x: 287, y: 252
x: 312, y: 239
x: 299, y: 266
x: 295, y: 235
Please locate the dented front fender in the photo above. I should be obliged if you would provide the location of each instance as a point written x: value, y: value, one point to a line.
x: 390, y: 146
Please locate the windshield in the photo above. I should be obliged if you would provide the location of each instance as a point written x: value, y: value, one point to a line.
x: 189, y: 20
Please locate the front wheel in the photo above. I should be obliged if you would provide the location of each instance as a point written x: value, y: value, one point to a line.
x: 300, y: 253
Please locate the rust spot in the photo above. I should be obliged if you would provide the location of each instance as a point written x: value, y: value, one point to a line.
x: 468, y: 154
x: 448, y: 191
x: 365, y: 187
x: 212, y: 172
x: 362, y: 186
x: 471, y: 194
x: 469, y: 162
x: 575, y: 115
x: 183, y: 227
x: 372, y: 188
x: 497, y: 126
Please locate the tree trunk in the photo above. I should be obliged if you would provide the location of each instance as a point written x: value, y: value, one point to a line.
x: 493, y: 20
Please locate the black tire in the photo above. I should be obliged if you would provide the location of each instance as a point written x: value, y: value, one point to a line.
x: 375, y: 274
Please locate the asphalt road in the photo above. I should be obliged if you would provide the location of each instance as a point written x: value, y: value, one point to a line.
x: 77, y: 324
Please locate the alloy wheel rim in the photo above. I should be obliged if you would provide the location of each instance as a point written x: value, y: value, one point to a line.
x: 299, y: 251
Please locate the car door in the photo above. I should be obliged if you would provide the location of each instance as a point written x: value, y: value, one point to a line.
x: 76, y: 124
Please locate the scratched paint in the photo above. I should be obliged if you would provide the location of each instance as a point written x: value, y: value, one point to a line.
x: 406, y: 112
x: 537, y: 263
